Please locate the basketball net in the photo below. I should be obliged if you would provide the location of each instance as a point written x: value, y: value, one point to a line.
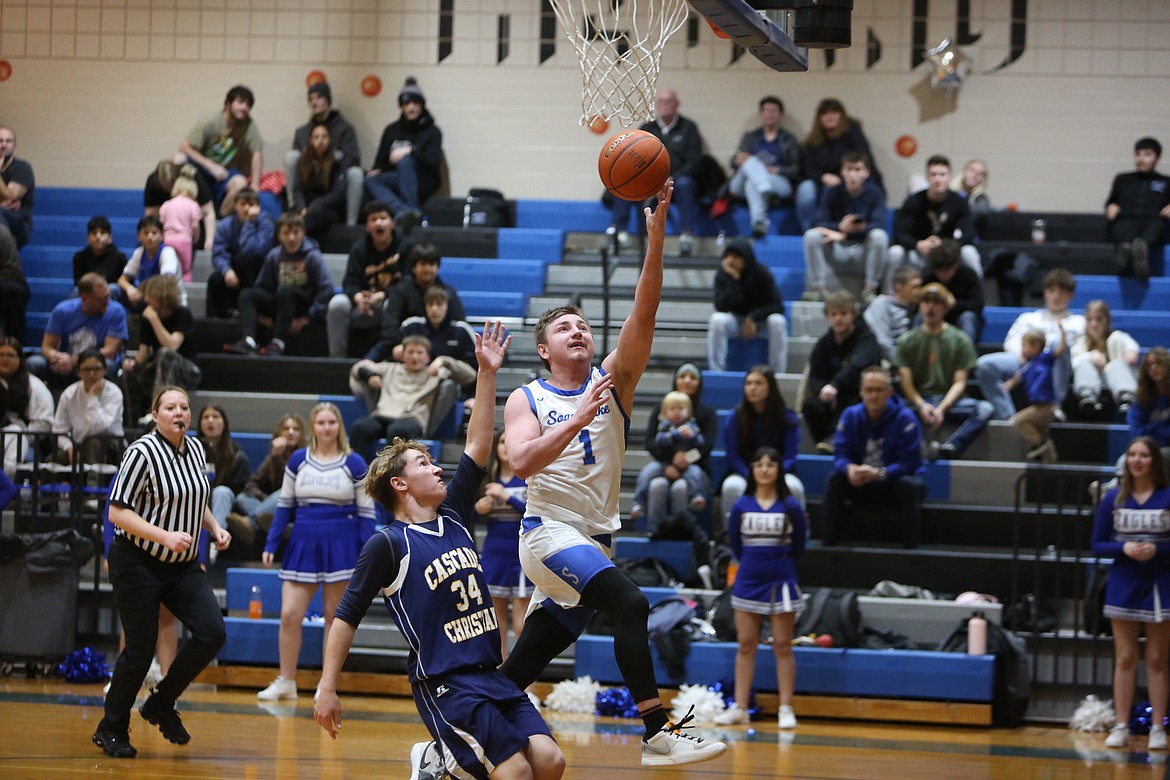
x: 619, y: 44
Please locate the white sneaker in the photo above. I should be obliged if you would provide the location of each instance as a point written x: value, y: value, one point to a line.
x: 673, y: 746
x: 279, y: 689
x: 731, y: 716
x: 425, y: 762
x: 1157, y: 738
x: 1118, y: 736
x: 786, y: 718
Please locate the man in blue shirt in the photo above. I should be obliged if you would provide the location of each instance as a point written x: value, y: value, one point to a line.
x: 78, y: 324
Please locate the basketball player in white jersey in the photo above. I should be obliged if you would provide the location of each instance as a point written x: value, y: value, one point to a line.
x: 567, y: 439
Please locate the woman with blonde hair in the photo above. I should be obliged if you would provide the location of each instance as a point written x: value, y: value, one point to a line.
x: 971, y: 183
x: 166, y: 354
x: 1104, y: 358
x: 323, y: 493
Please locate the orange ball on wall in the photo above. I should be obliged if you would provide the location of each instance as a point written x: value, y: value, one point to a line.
x: 906, y: 145
x: 371, y: 86
x: 5, y: 70
x: 315, y: 77
x: 598, y: 124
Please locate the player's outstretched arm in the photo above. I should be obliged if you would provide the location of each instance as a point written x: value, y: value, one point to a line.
x: 629, y: 358
x: 327, y: 709
x: 489, y: 351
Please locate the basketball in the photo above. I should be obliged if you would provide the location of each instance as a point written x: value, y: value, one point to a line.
x: 633, y: 165
x: 906, y: 145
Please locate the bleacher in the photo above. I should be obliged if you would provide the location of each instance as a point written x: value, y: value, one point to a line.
x: 970, y: 526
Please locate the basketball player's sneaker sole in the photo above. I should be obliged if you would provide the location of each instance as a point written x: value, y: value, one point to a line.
x: 425, y: 762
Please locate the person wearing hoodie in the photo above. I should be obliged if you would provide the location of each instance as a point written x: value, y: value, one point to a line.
x: 345, y: 146
x: 878, y: 459
x: 747, y: 303
x: 834, y: 367
x: 404, y: 299
x: 406, y: 168
x: 370, y: 271
x: 293, y: 287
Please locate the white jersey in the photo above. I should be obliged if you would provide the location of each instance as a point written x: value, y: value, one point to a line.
x: 581, y: 487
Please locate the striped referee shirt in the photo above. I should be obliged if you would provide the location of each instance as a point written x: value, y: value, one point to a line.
x: 168, y: 488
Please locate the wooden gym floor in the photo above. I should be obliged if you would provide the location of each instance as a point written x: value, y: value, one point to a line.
x: 45, y: 728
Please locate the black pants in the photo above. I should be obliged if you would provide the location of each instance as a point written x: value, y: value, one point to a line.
x: 367, y: 430
x: 904, y: 494
x: 221, y: 299
x: 14, y: 295
x: 283, y: 306
x: 822, y: 419
x: 141, y: 583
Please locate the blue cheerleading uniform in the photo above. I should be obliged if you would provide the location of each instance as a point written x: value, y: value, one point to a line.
x: 767, y: 542
x: 1135, y: 590
x: 331, y: 514
x: 501, y: 545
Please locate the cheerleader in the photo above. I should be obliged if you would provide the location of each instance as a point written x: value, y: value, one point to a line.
x: 322, y: 491
x: 767, y: 530
x: 1133, y: 527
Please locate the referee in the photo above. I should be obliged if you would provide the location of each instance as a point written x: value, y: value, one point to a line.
x: 158, y: 502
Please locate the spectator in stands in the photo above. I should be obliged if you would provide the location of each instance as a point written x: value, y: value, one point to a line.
x: 318, y: 186
x: 972, y: 185
x: 889, y: 316
x: 227, y: 148
x: 767, y: 532
x: 834, y: 367
x: 18, y: 188
x: 371, y: 269
x: 101, y: 256
x: 833, y: 133
x: 257, y: 503
x: 929, y: 216
x: 1104, y: 359
x: 746, y: 302
x: 1150, y: 413
x: 943, y: 266
x: 448, y: 338
x: 332, y: 517
x: 345, y: 142
x: 150, y: 258
x: 157, y: 191
x: 406, y: 167
x: 77, y: 324
x: 677, y: 445
x: 406, y: 394
x: 180, y: 218
x: 166, y: 354
x: 26, y: 405
x: 683, y: 141
x: 878, y: 459
x: 228, y: 465
x: 293, y: 287
x: 995, y: 368
x: 1131, y: 527
x: 14, y: 290
x: 766, y: 165
x: 405, y: 298
x: 1137, y: 209
x: 90, y: 412
x: 242, y: 241
x: 847, y: 232
x: 1035, y: 374
x: 761, y: 419
x: 689, y: 381
x: 933, y: 361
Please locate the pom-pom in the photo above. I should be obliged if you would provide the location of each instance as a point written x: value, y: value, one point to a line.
x: 616, y: 703
x: 578, y: 695
x: 706, y: 702
x: 1141, y: 717
x: 84, y: 666
x: 1093, y: 715
x: 726, y: 689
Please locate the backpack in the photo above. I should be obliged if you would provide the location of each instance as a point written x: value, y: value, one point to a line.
x: 722, y: 617
x: 485, y: 208
x: 1013, y: 681
x: 667, y: 626
x: 680, y: 526
x: 832, y: 611
x: 1030, y: 613
x: 647, y: 572
x: 1095, y: 622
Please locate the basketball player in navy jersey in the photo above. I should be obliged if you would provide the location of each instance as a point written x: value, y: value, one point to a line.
x: 567, y: 439
x: 426, y: 566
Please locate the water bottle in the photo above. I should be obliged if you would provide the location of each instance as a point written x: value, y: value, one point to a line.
x: 26, y: 498
x: 977, y: 635
x: 721, y: 242
x: 1039, y: 231
x: 255, y: 604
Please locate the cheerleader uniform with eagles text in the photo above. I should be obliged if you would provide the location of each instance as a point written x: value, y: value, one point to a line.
x: 1135, y: 590
x: 767, y: 542
x: 333, y: 517
x: 433, y: 585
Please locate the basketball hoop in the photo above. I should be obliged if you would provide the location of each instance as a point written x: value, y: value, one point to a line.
x: 619, y: 44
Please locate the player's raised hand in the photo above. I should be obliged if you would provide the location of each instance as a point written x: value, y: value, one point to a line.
x: 593, y: 401
x: 656, y: 217
x: 492, y: 345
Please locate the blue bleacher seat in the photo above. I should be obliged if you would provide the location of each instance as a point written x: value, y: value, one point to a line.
x: 494, y: 304
x: 542, y: 244
x: 1148, y: 327
x: 478, y: 274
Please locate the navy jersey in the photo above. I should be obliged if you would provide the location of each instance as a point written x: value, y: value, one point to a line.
x: 433, y: 585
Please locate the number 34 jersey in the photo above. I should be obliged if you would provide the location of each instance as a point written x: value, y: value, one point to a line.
x: 581, y: 487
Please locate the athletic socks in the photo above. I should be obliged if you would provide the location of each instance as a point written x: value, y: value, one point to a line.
x: 654, y: 718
